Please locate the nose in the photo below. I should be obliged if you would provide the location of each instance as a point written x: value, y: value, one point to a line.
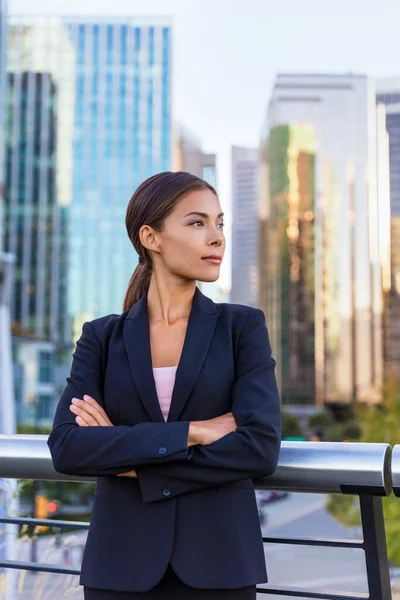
x: 217, y: 238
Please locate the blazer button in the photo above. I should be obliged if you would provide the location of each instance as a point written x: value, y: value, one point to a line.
x: 166, y: 492
x: 162, y: 451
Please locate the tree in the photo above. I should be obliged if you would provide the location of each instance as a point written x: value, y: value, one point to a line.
x: 291, y: 426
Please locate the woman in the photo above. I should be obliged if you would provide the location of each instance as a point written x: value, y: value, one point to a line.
x: 173, y: 406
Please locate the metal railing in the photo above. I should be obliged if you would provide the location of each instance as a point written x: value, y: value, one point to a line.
x: 369, y: 471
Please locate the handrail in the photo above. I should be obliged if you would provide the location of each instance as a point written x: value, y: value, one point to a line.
x: 319, y: 467
x: 395, y: 467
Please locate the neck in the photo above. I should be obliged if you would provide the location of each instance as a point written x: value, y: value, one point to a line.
x: 169, y: 302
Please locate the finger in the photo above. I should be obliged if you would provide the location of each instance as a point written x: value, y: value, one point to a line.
x: 97, y: 406
x: 81, y: 422
x: 85, y: 406
x: 93, y: 402
x: 84, y: 414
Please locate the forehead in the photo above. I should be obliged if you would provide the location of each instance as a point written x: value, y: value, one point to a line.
x: 199, y: 200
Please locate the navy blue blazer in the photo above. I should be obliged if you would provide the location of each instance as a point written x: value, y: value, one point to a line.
x: 194, y: 507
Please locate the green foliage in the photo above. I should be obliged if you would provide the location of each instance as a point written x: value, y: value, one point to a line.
x: 352, y: 431
x: 29, y: 429
x: 68, y: 492
x: 336, y: 427
x: 291, y: 426
x: 345, y: 509
x: 377, y: 423
x: 321, y: 419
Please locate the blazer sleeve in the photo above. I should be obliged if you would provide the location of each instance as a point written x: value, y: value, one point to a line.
x: 249, y: 452
x: 97, y: 451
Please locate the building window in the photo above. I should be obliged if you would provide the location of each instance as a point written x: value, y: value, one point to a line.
x: 45, y: 367
x: 44, y: 407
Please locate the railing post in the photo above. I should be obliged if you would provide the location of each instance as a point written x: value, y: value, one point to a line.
x: 376, y: 558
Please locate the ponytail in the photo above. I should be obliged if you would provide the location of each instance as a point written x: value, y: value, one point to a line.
x: 138, y: 284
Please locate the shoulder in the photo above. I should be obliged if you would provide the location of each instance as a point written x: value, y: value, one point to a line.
x: 102, y: 327
x: 239, y: 315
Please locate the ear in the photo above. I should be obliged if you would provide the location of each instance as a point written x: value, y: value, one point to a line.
x: 149, y: 239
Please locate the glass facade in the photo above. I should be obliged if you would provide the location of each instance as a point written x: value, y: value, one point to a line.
x: 388, y: 95
x: 391, y: 100
x: 35, y: 394
x: 3, y: 47
x: 336, y: 249
x: 34, y: 227
x: 287, y: 256
x: 244, y: 289
x: 97, y: 96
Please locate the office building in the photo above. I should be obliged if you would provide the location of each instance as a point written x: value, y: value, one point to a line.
x: 3, y: 49
x: 324, y: 238
x: 388, y: 94
x: 286, y: 258
x: 244, y: 165
x: 100, y: 88
x: 88, y: 118
x: 188, y: 156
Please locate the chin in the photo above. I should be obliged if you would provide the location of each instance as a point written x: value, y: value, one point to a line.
x: 208, y: 278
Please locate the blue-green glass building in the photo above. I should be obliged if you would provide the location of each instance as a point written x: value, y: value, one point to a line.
x: 93, y: 100
x: 3, y: 47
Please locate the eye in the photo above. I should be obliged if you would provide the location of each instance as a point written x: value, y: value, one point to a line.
x: 196, y: 222
x: 221, y: 225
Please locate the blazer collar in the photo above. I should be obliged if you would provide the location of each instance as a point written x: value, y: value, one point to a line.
x: 199, y: 333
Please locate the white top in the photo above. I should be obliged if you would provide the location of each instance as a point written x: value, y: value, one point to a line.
x: 164, y: 378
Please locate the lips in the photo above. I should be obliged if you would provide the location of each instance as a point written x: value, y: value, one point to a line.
x: 213, y: 259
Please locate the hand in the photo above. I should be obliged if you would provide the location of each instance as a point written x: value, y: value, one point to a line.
x: 128, y: 474
x: 212, y: 430
x: 89, y: 413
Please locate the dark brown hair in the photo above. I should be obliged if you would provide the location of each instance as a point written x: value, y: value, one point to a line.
x: 150, y: 205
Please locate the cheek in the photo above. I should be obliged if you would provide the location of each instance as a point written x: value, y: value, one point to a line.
x: 181, y: 248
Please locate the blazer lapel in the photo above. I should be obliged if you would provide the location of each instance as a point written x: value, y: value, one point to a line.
x: 199, y: 333
x: 137, y: 342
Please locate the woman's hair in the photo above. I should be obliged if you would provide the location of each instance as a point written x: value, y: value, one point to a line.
x: 150, y: 205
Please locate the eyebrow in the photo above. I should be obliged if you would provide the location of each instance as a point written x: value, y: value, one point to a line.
x: 201, y: 214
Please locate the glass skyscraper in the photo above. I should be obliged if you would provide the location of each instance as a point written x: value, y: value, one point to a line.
x: 89, y: 119
x: 3, y: 48
x: 188, y: 156
x: 286, y: 258
x: 388, y: 94
x: 326, y: 227
x: 244, y: 165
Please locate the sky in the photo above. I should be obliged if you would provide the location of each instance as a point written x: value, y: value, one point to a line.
x: 227, y: 53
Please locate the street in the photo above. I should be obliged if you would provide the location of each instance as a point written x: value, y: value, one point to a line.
x: 312, y: 568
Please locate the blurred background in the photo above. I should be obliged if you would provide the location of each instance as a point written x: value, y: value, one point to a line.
x: 292, y: 110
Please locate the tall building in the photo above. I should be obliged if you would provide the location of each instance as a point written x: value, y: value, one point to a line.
x: 244, y: 166
x: 188, y: 156
x: 3, y: 48
x: 324, y: 237
x: 287, y: 256
x: 88, y: 119
x: 108, y: 84
x: 209, y: 169
x: 388, y: 94
x: 35, y: 223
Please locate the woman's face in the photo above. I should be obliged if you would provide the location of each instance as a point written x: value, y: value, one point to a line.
x: 192, y: 242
